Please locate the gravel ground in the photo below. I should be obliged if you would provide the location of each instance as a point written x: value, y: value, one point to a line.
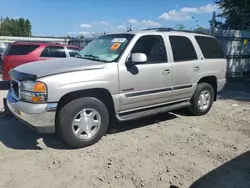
x: 168, y: 150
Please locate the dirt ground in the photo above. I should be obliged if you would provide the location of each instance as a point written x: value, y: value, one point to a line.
x: 168, y: 150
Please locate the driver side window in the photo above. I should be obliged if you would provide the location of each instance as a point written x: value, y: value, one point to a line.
x: 154, y: 48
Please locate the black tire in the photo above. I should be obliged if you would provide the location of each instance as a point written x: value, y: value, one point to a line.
x: 7, y: 111
x: 66, y: 117
x: 194, y: 109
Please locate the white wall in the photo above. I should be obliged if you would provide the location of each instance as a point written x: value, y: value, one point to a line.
x: 237, y: 52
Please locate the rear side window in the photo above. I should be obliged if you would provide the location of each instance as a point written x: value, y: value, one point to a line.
x: 54, y: 51
x: 21, y: 49
x: 210, y: 47
x: 183, y: 49
x: 73, y: 51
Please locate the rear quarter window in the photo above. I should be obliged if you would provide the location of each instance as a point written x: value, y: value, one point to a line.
x: 210, y: 47
x: 21, y: 49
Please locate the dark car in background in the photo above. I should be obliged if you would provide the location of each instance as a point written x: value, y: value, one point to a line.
x: 19, y: 53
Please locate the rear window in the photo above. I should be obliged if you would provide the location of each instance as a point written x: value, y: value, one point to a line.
x: 54, y: 51
x: 210, y: 47
x: 21, y: 49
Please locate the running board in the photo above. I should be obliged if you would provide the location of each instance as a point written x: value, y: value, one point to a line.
x: 151, y: 111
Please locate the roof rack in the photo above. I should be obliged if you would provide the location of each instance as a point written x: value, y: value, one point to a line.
x: 164, y: 29
x: 189, y: 31
x: 159, y: 29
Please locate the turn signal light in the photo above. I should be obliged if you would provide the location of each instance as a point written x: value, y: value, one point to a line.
x: 40, y: 87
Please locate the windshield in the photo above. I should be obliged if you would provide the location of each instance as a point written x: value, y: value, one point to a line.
x: 106, y: 48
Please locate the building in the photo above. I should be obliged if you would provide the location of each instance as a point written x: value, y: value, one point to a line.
x: 81, y: 42
x: 60, y: 40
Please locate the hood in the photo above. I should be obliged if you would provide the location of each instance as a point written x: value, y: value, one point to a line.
x: 57, y: 66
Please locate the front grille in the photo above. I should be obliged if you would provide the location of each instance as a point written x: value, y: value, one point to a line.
x: 15, y: 89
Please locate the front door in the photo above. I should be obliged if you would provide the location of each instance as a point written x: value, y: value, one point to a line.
x: 146, y: 84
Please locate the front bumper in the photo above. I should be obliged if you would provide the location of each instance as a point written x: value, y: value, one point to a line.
x: 39, y: 117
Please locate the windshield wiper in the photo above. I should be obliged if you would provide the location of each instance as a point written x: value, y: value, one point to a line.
x: 92, y: 56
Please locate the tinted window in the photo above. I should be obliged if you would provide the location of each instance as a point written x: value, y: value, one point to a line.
x: 210, y: 47
x: 153, y: 47
x: 21, y: 49
x: 73, y: 51
x: 54, y: 51
x: 183, y: 49
x: 45, y: 52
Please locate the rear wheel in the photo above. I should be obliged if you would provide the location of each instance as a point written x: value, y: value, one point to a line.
x: 202, y: 100
x: 82, y: 122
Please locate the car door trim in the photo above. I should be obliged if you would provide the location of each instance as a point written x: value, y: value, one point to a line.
x: 140, y: 93
x: 182, y: 87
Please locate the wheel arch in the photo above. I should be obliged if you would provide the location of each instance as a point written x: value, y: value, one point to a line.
x: 100, y: 93
x: 212, y: 80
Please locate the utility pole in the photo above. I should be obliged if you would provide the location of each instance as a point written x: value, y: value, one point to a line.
x: 213, y: 23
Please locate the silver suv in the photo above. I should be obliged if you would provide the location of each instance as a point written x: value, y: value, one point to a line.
x: 120, y: 77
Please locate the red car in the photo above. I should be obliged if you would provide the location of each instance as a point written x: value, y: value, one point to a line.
x: 19, y: 53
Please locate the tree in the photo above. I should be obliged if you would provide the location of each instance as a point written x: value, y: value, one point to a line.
x: 15, y: 27
x: 28, y: 27
x: 235, y: 12
x: 200, y: 28
x: 180, y: 27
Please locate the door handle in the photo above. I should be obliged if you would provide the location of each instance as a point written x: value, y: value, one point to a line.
x: 196, y: 68
x: 167, y: 71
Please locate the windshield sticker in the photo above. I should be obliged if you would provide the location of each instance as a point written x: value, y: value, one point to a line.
x: 115, y: 46
x: 121, y: 40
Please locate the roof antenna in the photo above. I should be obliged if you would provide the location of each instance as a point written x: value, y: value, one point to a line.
x: 129, y: 29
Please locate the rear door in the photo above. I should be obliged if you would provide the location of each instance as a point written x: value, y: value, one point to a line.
x: 186, y: 66
x: 18, y: 54
x: 50, y: 52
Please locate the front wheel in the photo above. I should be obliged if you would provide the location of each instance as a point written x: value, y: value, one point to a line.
x: 202, y: 100
x: 82, y: 122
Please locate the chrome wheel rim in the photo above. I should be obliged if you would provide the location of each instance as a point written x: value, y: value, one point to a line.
x: 86, y: 123
x: 204, y: 100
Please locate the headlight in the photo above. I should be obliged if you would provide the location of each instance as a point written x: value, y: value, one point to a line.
x: 33, y: 91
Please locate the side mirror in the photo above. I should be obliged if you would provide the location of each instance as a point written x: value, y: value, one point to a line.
x: 137, y: 58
